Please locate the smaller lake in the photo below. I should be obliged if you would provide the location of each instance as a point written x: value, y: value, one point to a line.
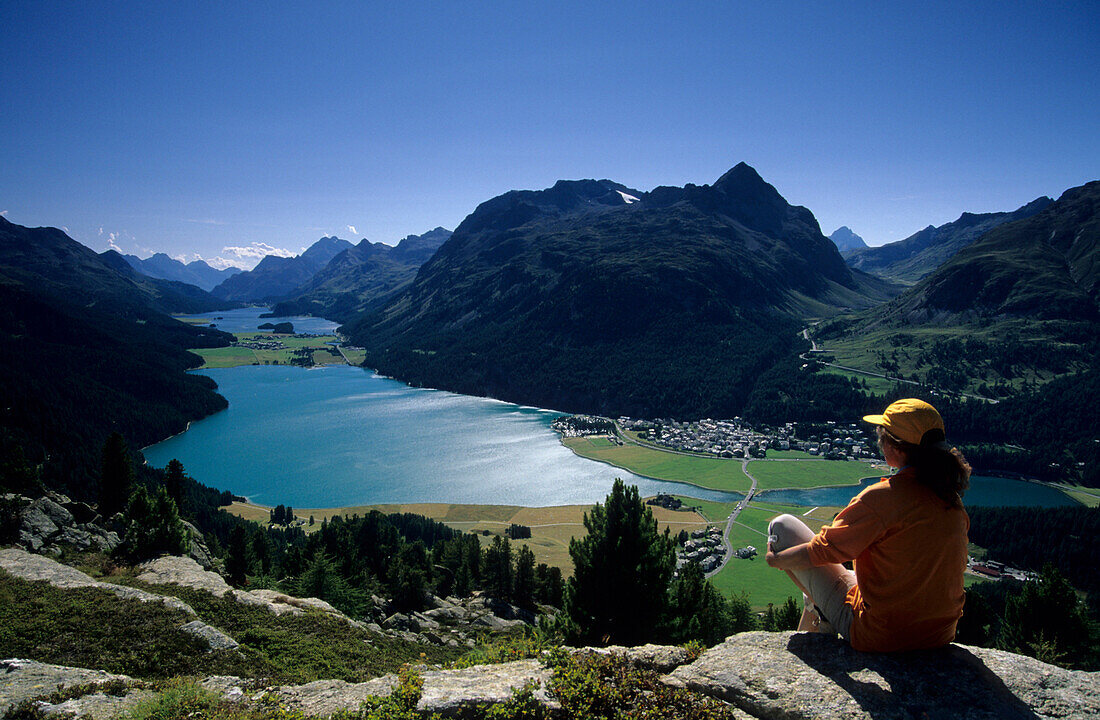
x: 984, y: 492
x: 248, y: 319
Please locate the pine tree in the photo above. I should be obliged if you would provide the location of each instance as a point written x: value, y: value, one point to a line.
x: 173, y: 481
x: 621, y: 573
x: 261, y: 551
x: 117, y: 476
x: 237, y: 561
x: 153, y: 527
x: 523, y: 582
x: 497, y: 572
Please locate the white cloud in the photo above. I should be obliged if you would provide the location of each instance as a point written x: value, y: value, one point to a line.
x: 101, y: 231
x: 247, y: 257
x: 351, y: 228
x: 3, y: 213
x: 112, y: 243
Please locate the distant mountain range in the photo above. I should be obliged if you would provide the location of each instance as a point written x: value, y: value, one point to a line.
x: 359, y: 277
x: 1043, y: 264
x: 275, y: 278
x: 196, y: 272
x: 592, y: 296
x: 846, y: 240
x: 88, y: 350
x: 914, y: 257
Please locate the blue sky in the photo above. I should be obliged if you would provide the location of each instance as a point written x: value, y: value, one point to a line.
x: 200, y: 128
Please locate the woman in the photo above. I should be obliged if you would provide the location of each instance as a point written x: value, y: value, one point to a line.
x: 906, y: 536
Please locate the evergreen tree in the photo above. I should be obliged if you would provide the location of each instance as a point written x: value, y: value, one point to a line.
x: 117, y: 476
x: 261, y: 551
x: 173, y: 481
x: 621, y: 572
x: 153, y: 527
x: 1047, y: 620
x: 237, y: 561
x: 523, y: 583
x: 549, y: 584
x: 411, y: 574
x: 497, y: 573
x: 698, y: 611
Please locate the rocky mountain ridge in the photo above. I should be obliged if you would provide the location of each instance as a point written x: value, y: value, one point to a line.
x: 916, y: 256
x: 274, y: 278
x: 196, y: 272
x: 362, y: 276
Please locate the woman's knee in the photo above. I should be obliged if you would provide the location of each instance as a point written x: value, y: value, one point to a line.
x: 788, y: 531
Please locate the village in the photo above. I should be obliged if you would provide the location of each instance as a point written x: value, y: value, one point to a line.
x: 729, y: 438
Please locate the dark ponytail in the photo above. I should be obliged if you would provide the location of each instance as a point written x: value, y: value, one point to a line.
x: 940, y: 467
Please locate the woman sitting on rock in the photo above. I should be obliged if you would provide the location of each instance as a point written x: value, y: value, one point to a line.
x: 906, y: 536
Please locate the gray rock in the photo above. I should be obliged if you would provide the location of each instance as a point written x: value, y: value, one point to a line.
x: 806, y: 675
x: 28, y: 566
x: 216, y: 639
x: 447, y: 692
x: 79, y: 539
x: 26, y: 679
x: 29, y: 540
x: 37, y: 524
x: 182, y: 571
x: 53, y: 510
x: 658, y: 658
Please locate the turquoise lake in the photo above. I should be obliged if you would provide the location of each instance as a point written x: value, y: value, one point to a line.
x: 338, y: 435
x: 341, y: 435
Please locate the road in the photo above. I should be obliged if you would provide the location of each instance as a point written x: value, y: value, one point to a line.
x: 732, y: 519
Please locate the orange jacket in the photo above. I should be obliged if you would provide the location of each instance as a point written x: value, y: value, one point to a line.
x: 909, y: 552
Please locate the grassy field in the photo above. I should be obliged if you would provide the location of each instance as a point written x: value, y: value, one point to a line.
x: 775, y: 474
x: 551, y: 527
x: 712, y: 473
x: 760, y: 583
x: 1089, y: 499
x: 236, y: 355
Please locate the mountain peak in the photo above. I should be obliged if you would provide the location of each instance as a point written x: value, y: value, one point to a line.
x: 846, y: 240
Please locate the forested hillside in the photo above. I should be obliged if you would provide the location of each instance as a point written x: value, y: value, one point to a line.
x: 88, y: 351
x: 591, y: 296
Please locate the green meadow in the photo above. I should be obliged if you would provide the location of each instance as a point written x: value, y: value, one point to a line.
x: 236, y: 355
x: 707, y: 472
x: 775, y: 474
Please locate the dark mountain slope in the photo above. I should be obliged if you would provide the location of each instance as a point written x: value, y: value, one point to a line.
x: 86, y: 353
x: 362, y: 276
x: 914, y: 257
x: 592, y: 296
x: 1012, y: 311
x: 196, y: 272
x: 1043, y: 267
x: 275, y: 278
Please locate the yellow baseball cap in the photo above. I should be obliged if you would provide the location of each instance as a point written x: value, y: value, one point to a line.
x: 909, y: 420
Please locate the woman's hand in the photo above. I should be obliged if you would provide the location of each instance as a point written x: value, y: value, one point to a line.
x: 796, y: 557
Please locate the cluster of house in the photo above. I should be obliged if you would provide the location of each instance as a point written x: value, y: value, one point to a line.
x: 738, y: 439
x: 994, y: 570
x: 261, y: 344
x: 583, y: 426
x: 704, y: 547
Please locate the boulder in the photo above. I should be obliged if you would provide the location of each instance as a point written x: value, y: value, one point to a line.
x: 807, y: 675
x: 215, y: 638
x: 447, y: 692
x: 22, y: 680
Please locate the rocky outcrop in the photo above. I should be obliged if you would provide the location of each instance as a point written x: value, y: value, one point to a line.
x: 805, y: 675
x: 184, y: 571
x: 53, y: 522
x: 29, y: 566
x: 98, y: 694
x: 774, y: 676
